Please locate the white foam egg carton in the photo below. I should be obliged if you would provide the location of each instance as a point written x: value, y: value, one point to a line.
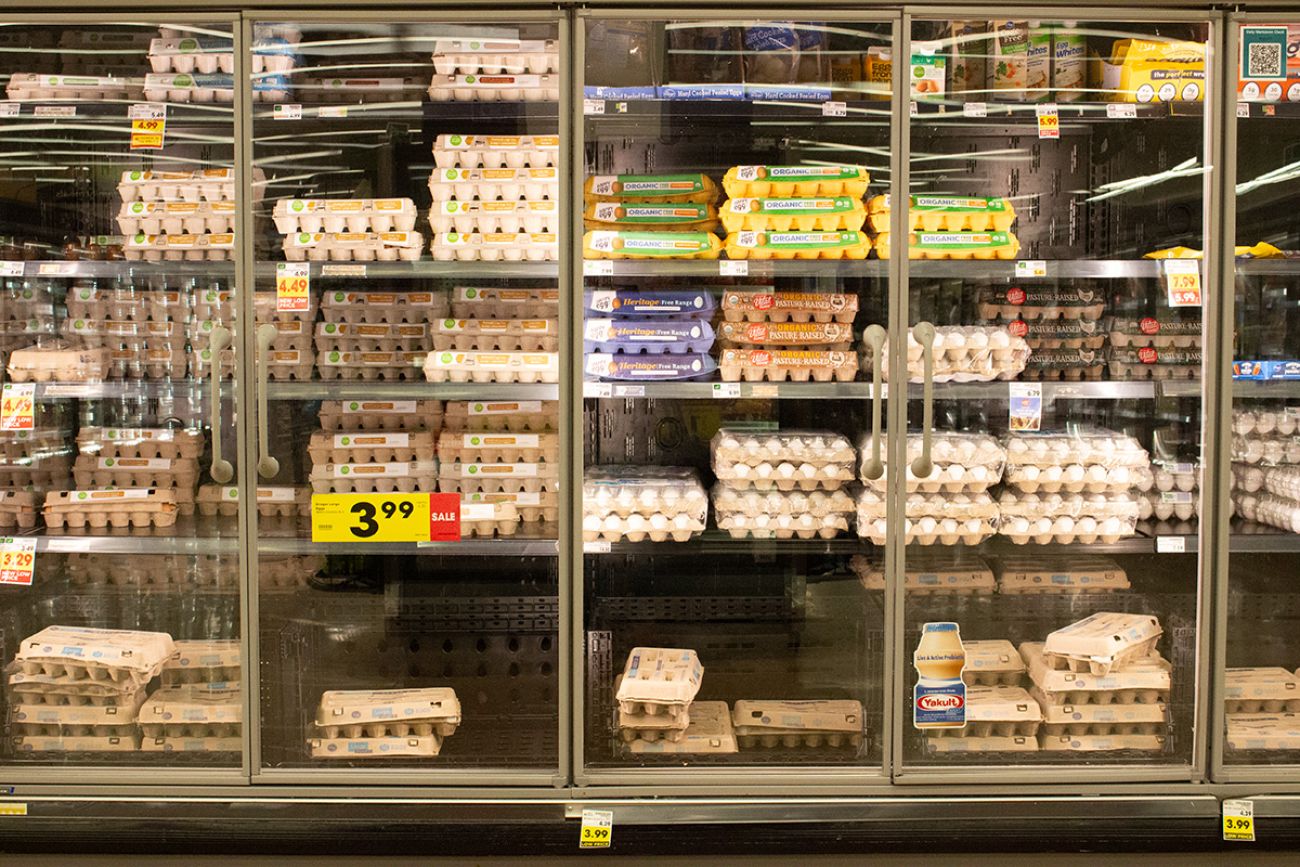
x: 965, y: 353
x: 25, y: 86
x: 517, y: 416
x: 495, y: 247
x: 17, y: 510
x: 494, y: 55
x: 370, y: 337
x: 273, y: 501
x: 1283, y: 421
x: 57, y: 362
x: 1268, y: 449
x: 1067, y: 518
x: 659, y: 682
x: 1102, y: 642
x: 382, y: 308
x: 495, y: 217
x: 176, y: 218
x: 214, y: 247
x: 396, y: 366
x: 1261, y: 690
x: 780, y: 515
x: 491, y: 302
x: 465, y: 479
x: 353, y: 246
x: 1021, y: 575
x: 1144, y: 681
x: 381, y: 415
x: 992, y: 662
x: 962, y: 462
x: 997, y: 711
x: 506, y: 87
x: 1074, y: 720
x: 488, y: 185
x: 455, y: 150
x: 343, y: 215
x: 525, y: 367
x: 502, y: 335
x: 203, y: 185
x: 942, y: 519
x: 930, y: 576
x: 792, y: 724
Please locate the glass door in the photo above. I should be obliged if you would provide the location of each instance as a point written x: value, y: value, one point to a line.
x: 408, y: 332
x: 733, y: 618
x: 120, y: 610
x: 1054, y: 232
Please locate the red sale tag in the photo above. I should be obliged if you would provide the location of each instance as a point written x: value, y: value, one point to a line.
x: 444, y: 517
x: 1183, y: 282
x: 17, y: 406
x: 17, y: 560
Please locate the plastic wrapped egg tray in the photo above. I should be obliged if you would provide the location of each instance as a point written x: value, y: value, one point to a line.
x: 17, y: 510
x: 1280, y: 512
x: 381, y: 415
x: 1144, y: 681
x: 124, y: 660
x: 602, y: 244
x: 996, y: 711
x: 25, y: 86
x: 659, y: 682
x: 383, y: 308
x: 1283, y: 481
x: 1064, y: 365
x: 1261, y: 690
x: 1098, y: 720
x: 780, y: 365
x: 673, y: 216
x: 1019, y: 576
x: 829, y: 214
x: 490, y: 185
x: 490, y: 56
x: 947, y: 214
x: 495, y: 247
x: 1092, y: 461
x: 740, y: 305
x: 1265, y: 449
x: 115, y: 509
x: 797, y: 335
x: 764, y: 181
x: 965, y: 353
x: 1063, y: 334
x: 810, y: 723
x: 1149, y: 331
x: 1151, y: 363
x: 1282, y: 421
x: 490, y: 218
x: 745, y: 513
x: 1168, y: 505
x: 177, y: 218
x: 272, y: 501
x: 492, y: 448
x: 932, y: 519
x: 203, y: 185
x: 498, y: 478
x: 178, y: 248
x: 962, y: 462
x: 343, y: 215
x: 405, y: 477
x: 454, y: 150
x: 1102, y: 642
x: 516, y: 416
x: 479, y: 302
x: 1066, y: 518
x: 992, y: 662
x: 639, y: 502
x: 190, y: 712
x: 524, y: 367
x: 786, y: 461
x: 690, y: 187
x: 798, y: 245
x: 353, y: 247
x: 930, y: 575
x: 368, y: 337
x: 366, y: 447
x: 653, y: 335
x: 1042, y: 302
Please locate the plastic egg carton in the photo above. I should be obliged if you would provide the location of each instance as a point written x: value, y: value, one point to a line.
x: 1019, y: 576
x: 943, y: 519
x: 992, y: 662
x: 687, y: 187
x: 494, y: 448
x: 381, y: 415
x: 1075, y: 478
x: 365, y: 447
x: 1283, y: 481
x: 602, y: 244
x: 517, y: 416
x: 1097, y: 720
x: 91, y: 471
x: 1168, y: 505
x: 203, y: 185
x: 276, y: 501
x: 1060, y: 334
x: 810, y: 335
x: 382, y: 308
x: 487, y: 519
x: 1064, y: 365
x: 353, y: 247
x: 513, y: 478
x: 1087, y: 448
x: 496, y: 247
x: 654, y: 216
x: 965, y: 353
x: 968, y: 462
x: 369, y: 337
x: 792, y: 724
x: 1260, y: 690
x: 489, y: 56
x: 57, y: 363
x: 343, y: 215
x: 205, y: 661
x: 118, y: 657
x: 640, y: 502
x: 1282, y: 421
x: 1279, y: 731
x: 930, y: 575
x: 1267, y: 449
x: 490, y: 302
x: 795, y: 365
x: 1150, y: 331
x: 648, y: 367
x: 1144, y: 681
x: 1102, y: 642
x: 798, y: 245
x: 530, y: 507
x: 1151, y: 363
x: 653, y: 335
x: 834, y: 214
x: 495, y: 217
x: 188, y: 712
x: 495, y: 88
x: 1068, y: 303
x: 781, y: 515
x: 659, y: 682
x: 406, y: 477
x: 997, y: 711
x: 24, y: 86
x: 524, y: 367
x: 455, y: 150
x: 290, y: 365
x: 488, y: 185
x: 1067, y: 518
x: 385, y: 713
x: 178, y: 248
x: 790, y: 460
x: 947, y: 214
x: 765, y: 181
x: 1280, y: 512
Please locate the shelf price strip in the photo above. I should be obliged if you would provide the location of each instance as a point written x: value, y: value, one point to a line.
x: 385, y: 518
x: 1239, y: 820
x: 17, y: 560
x: 597, y: 830
x: 148, y: 126
x: 292, y: 285
x: 17, y: 406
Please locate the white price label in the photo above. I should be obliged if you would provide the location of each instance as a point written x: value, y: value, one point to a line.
x: 1239, y: 820
x: 975, y: 109
x: 593, y: 106
x: 1121, y: 109
x: 55, y: 111
x: 11, y: 269
x: 1243, y: 109
x: 597, y: 389
x: 1171, y: 545
x: 1025, y: 409
x: 147, y: 111
x: 629, y: 391
x: 598, y: 547
x: 286, y: 111
x: 1031, y: 268
x: 834, y: 109
x: 17, y: 560
x: 597, y: 829
x: 726, y: 389
x: 733, y: 267
x: 343, y: 270
x: 56, y: 269
x: 332, y: 111
x: 9, y: 109
x: 912, y: 110
x: 765, y: 390
x: 597, y: 268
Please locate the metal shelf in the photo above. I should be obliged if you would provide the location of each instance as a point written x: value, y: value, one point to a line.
x: 1248, y: 389
x: 136, y: 542
x: 719, y: 542
x: 425, y: 269
x: 1051, y: 390
x: 506, y: 547
x: 87, y: 268
x: 369, y: 390
x: 147, y: 388
x: 1265, y: 267
x: 982, y: 391
x: 1063, y: 269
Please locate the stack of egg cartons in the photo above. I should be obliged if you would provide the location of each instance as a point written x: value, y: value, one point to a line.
x: 795, y: 212
x: 949, y: 227
x: 471, y: 307
x: 198, y: 707
x: 1102, y: 684
x: 375, y: 335
x: 77, y: 689
x: 26, y: 314
x: 1061, y: 324
x: 291, y: 356
x: 31, y: 463
x: 963, y: 353
x: 835, y: 723
x: 29, y: 86
x: 1263, y: 708
x: 200, y: 68
x: 1071, y: 487
x: 142, y: 330
x: 348, y: 230
x: 930, y: 574
x: 650, y: 217
x: 1001, y: 716
x: 788, y: 335
x: 1265, y: 478
x: 384, y: 723
x: 497, y: 455
x: 648, y: 335
x: 782, y: 485
x: 1166, y: 345
x: 214, y: 308
x: 139, y: 463
x: 655, y: 696
x: 1025, y: 575
x: 495, y: 198
x: 493, y: 69
x: 179, y: 216
x: 375, y: 446
x: 1171, y: 498
x: 642, y: 502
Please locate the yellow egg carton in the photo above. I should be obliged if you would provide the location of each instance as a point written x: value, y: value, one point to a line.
x: 955, y: 245
x: 785, y: 181
x: 693, y: 187
x: 673, y: 216
x: 651, y: 245
x: 812, y: 214
x: 798, y: 245
x: 947, y: 214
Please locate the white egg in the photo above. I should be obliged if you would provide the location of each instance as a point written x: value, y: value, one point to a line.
x: 927, y: 525
x: 1120, y: 477
x: 1029, y: 473
x: 763, y: 470
x: 1073, y: 473
x: 999, y: 339
x: 1110, y: 526
x: 591, y: 523
x: 1086, y: 525
x: 1019, y: 526
x: 658, y: 521
x: 613, y: 523
x: 1051, y: 474
x: 635, y: 523
x: 1017, y: 447
x: 1063, y: 524
x: 1096, y: 473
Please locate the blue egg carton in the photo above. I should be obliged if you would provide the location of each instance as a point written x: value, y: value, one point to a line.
x: 636, y: 367
x: 618, y: 303
x: 648, y: 336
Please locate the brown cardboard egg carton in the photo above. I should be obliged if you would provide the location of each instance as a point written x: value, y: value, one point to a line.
x: 495, y: 247
x: 1078, y: 302
x: 395, y: 366
x: 36, y: 475
x: 1143, y: 681
x: 498, y: 448
x: 930, y: 576
x: 383, y: 308
x: 163, y: 363
x: 40, y: 442
x: 154, y: 305
x: 176, y: 218
x: 34, y: 718
x: 512, y: 216
x: 203, y: 185
x: 186, y: 711
x: 1064, y: 365
x: 364, y: 447
x: 118, y: 508
x: 709, y: 732
x: 290, y: 365
x: 201, y: 364
x: 486, y: 185
x: 992, y: 662
x: 517, y: 416
x: 451, y: 150
x: 1101, y: 719
x: 91, y: 471
x: 353, y: 246
x: 990, y: 744
x: 1151, y: 363
x: 1102, y: 642
x: 1147, y: 743
x: 148, y: 443
x: 815, y: 723
x: 1150, y: 331
x: 114, y: 333
x: 17, y: 510
x: 1031, y: 575
x: 997, y: 711
x: 290, y: 335
x: 651, y: 728
x: 57, y: 364
x: 1046, y: 335
x: 498, y: 478
x: 487, y: 518
x: 80, y: 742
x: 501, y: 335
x: 381, y: 415
x: 265, y: 310
x: 343, y: 215
x: 388, y: 713
x: 287, y: 573
x: 741, y: 305
x: 216, y: 660
x: 659, y: 682
x: 488, y: 302
x: 532, y: 507
x: 522, y: 367
x: 216, y: 247
x: 25, y: 86
x: 1267, y: 731
x: 119, y: 657
x: 167, y: 570
x: 1261, y: 690
x: 192, y: 744
x: 779, y: 365
x: 44, y: 695
x: 396, y: 747
x: 371, y: 337
x: 273, y: 501
x: 809, y: 335
x: 405, y: 477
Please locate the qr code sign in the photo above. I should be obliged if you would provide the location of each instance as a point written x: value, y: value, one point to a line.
x: 1265, y: 60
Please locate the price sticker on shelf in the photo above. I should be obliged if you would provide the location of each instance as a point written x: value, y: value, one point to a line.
x: 286, y: 111
x: 733, y: 268
x: 1121, y: 109
x: 332, y: 111
x: 292, y: 283
x: 9, y: 109
x: 1239, y: 820
x: 629, y: 391
x: 1183, y: 282
x: 1171, y: 545
x: 597, y: 829
x: 385, y: 518
x: 1031, y: 268
x: 724, y: 390
x: 1025, y: 412
x: 975, y: 109
x: 597, y: 389
x: 343, y: 270
x: 12, y: 269
x: 18, y: 406
x: 56, y: 269
x: 1049, y: 120
x: 55, y: 111
x: 593, y: 106
x: 17, y: 560
x: 1243, y: 109
x: 600, y: 546
x: 835, y: 109
x: 597, y: 268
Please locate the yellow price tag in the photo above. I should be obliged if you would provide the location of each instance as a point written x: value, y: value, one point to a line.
x: 17, y: 560
x: 597, y: 829
x: 148, y: 133
x: 18, y: 406
x: 1239, y: 820
x: 385, y: 517
x: 1049, y: 121
x: 1183, y: 282
x: 13, y: 809
x: 292, y: 283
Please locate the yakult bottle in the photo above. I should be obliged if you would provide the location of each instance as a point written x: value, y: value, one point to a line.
x: 940, y: 696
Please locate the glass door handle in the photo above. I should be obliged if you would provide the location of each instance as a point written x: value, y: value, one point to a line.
x: 873, y: 468
x: 924, y: 334
x: 220, y: 470
x: 267, y: 466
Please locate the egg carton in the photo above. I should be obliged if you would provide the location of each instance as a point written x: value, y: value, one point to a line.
x: 809, y: 723
x: 1146, y: 743
x: 488, y: 185
x: 1074, y: 478
x: 991, y: 744
x: 201, y: 364
x: 784, y: 475
x: 647, y: 335
x: 1267, y: 450
x: 40, y: 696
x: 489, y: 56
x: 964, y: 353
x: 1150, y: 331
x: 155, y: 364
x: 498, y: 478
x: 36, y: 475
x: 925, y: 576
x: 651, y: 525
x: 180, y: 248
x: 491, y: 218
x: 114, y: 334
x: 380, y: 308
x: 367, y: 447
x: 36, y: 444
x: 273, y: 501
x: 90, y: 471
x: 203, y: 661
x: 492, y: 448
x: 826, y: 518
x: 496, y: 247
x: 105, y: 656
x: 625, y: 490
x: 945, y: 519
x: 287, y: 572
x: 155, y: 305
x: 80, y: 742
x: 353, y: 246
x: 517, y: 416
x: 370, y: 366
x: 378, y: 712
x: 964, y: 246
x: 810, y: 335
x: 202, y: 54
x: 24, y: 86
x: 733, y: 446
x: 183, y: 711
x: 795, y: 365
x: 1086, y: 447
x: 216, y: 87
x: 1029, y: 575
x: 531, y: 507
x: 525, y: 367
x: 659, y: 682
x: 100, y: 692
x: 1103, y: 642
x: 709, y: 732
x: 602, y: 244
x: 202, y: 185
x: 652, y: 216
x: 1044, y: 335
x: 42, y: 718
x: 480, y: 302
x: 290, y: 335
x: 962, y: 462
x: 290, y: 365
x: 1274, y: 731
x: 1283, y: 421
x: 381, y: 415
x: 488, y: 518
x: 946, y: 214
x: 652, y: 728
x: 456, y: 150
x: 176, y: 218
x: 192, y: 744
x: 1261, y: 690
x: 1282, y: 481
x: 826, y: 214
x: 58, y: 363
x: 393, y: 477
x: 1063, y: 365
x: 218, y: 305
x: 798, y: 245
x: 1144, y: 681
x: 1151, y: 363
x: 337, y: 216
x: 782, y: 504
x: 1067, y: 518
x: 689, y: 187
x: 117, y: 509
x: 17, y: 510
x: 648, y: 367
x: 1071, y: 303
x: 1168, y: 506
x: 394, y: 747
x: 992, y: 662
x: 367, y: 337
x: 765, y: 181
x: 1071, y: 720
x: 997, y: 711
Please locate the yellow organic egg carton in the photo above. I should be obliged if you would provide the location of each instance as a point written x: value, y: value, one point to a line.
x: 695, y: 187
x: 795, y: 181
x: 650, y: 245
x: 954, y: 245
x: 947, y: 214
x: 798, y: 245
x: 655, y: 216
x: 812, y: 214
